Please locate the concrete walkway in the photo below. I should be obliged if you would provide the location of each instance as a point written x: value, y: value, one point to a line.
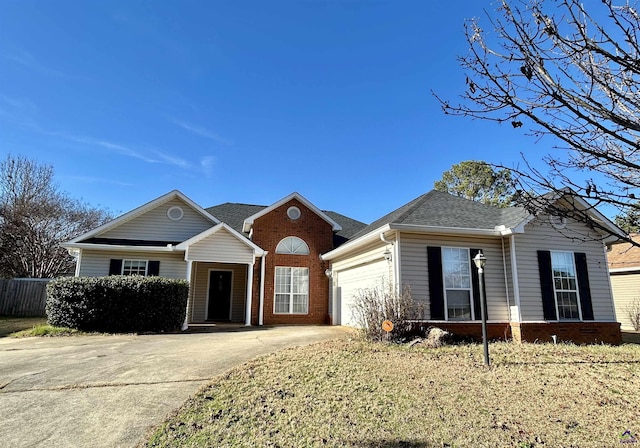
x: 107, y: 391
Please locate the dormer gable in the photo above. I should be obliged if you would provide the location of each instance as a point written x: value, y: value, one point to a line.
x: 248, y: 222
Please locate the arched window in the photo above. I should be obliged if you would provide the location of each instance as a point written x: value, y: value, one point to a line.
x: 292, y: 245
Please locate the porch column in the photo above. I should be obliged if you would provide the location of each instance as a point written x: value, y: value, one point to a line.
x: 185, y: 325
x: 247, y: 319
x: 261, y: 309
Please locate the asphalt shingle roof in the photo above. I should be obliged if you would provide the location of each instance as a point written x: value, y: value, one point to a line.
x: 432, y: 209
x: 439, y: 209
x: 234, y: 214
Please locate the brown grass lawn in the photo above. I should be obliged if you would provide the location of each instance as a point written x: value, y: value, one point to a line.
x: 10, y: 325
x: 353, y: 393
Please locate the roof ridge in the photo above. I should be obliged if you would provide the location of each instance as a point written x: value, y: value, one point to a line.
x: 237, y: 203
x: 417, y: 203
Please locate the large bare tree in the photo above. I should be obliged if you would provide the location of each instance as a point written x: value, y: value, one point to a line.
x: 570, y: 70
x: 35, y: 217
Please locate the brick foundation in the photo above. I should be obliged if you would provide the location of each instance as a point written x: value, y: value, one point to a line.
x: 577, y: 332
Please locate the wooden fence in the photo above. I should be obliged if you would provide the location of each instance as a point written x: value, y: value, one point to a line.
x: 23, y: 296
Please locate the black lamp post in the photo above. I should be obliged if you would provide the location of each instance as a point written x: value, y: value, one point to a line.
x: 480, y: 260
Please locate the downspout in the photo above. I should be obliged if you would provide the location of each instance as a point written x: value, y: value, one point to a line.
x: 384, y: 240
x: 262, y: 271
x: 396, y: 263
x: 78, y: 261
x: 506, y: 279
x: 514, y: 275
x: 393, y: 256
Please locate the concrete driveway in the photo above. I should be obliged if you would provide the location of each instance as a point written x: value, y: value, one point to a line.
x: 107, y: 391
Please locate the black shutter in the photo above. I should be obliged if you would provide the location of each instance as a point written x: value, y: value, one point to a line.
x: 476, y: 286
x: 436, y: 287
x: 153, y: 268
x: 583, y: 285
x: 115, y: 267
x: 546, y: 285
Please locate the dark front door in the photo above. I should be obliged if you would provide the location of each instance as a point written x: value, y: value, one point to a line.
x: 219, y: 295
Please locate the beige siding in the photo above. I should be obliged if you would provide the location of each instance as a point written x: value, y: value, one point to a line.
x: 365, y: 255
x: 626, y: 289
x: 575, y: 237
x: 95, y: 263
x: 508, y: 272
x: 414, y: 269
x: 200, y: 290
x: 156, y: 225
x: 222, y: 247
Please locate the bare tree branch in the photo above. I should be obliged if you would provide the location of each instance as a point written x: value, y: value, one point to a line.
x: 571, y: 71
x: 35, y: 217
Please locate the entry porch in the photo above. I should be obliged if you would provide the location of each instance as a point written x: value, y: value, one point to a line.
x: 220, y: 270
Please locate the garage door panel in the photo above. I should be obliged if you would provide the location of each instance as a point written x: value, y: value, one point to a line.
x: 351, y: 281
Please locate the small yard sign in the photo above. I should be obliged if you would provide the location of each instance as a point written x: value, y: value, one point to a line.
x: 387, y: 326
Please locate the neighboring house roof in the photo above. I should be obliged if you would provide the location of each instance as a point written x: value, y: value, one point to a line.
x: 234, y: 215
x: 439, y: 209
x: 625, y: 256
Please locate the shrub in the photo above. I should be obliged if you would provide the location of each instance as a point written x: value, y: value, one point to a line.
x: 117, y: 304
x: 372, y: 306
x: 633, y: 313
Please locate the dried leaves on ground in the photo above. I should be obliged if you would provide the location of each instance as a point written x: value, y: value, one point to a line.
x: 354, y: 393
x: 10, y: 324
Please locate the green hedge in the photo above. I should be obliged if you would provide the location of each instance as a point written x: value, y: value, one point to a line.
x: 117, y: 304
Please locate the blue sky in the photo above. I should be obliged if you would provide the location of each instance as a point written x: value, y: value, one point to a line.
x: 243, y: 101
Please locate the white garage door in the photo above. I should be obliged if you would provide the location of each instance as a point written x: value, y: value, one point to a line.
x: 351, y: 280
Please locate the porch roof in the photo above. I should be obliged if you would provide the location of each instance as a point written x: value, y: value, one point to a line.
x: 220, y: 244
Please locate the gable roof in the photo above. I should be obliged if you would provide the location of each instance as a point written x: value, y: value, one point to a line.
x: 234, y: 214
x: 143, y: 209
x: 215, y: 229
x: 437, y: 209
x: 552, y: 202
x: 248, y: 222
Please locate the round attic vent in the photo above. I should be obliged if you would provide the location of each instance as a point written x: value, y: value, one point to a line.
x: 175, y: 213
x: 558, y: 222
x: 293, y: 213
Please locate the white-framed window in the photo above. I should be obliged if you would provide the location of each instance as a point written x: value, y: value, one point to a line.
x: 134, y: 267
x: 456, y: 270
x: 565, y: 285
x: 292, y: 245
x: 291, y: 290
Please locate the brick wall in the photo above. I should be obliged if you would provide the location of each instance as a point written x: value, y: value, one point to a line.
x: 268, y: 231
x: 577, y: 332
